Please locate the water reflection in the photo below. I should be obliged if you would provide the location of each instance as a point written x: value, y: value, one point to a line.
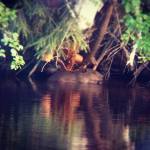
x: 44, y: 116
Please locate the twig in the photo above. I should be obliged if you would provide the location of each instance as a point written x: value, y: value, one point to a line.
x: 126, y: 52
x: 73, y: 14
x: 99, y: 60
x: 111, y: 54
x: 34, y: 68
x: 137, y: 73
x: 117, y: 17
x: 24, y: 67
x: 44, y: 66
x: 108, y: 71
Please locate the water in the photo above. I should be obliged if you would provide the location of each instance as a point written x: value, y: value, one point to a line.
x: 45, y: 116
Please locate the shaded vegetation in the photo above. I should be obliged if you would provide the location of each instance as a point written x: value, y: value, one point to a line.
x: 118, y: 39
x: 10, y: 38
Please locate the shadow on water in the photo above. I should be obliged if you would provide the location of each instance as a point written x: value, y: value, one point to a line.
x: 45, y: 116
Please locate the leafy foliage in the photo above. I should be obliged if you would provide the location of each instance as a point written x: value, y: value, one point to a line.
x: 47, y: 30
x: 6, y: 16
x: 137, y: 29
x: 10, y: 39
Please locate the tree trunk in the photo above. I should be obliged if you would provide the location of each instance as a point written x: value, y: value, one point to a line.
x: 102, y: 20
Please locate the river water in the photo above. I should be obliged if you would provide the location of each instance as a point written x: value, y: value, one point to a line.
x: 46, y: 116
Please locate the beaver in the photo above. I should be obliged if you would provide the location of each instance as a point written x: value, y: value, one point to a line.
x: 86, y: 77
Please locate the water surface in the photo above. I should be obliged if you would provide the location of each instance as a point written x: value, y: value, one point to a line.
x: 45, y: 116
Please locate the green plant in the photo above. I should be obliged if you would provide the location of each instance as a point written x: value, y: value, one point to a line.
x: 10, y: 39
x: 137, y: 25
x: 6, y: 16
x: 47, y: 30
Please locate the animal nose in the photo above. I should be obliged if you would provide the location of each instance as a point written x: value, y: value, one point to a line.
x: 99, y: 82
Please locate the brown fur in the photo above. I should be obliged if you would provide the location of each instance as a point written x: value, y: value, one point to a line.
x: 77, y: 77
